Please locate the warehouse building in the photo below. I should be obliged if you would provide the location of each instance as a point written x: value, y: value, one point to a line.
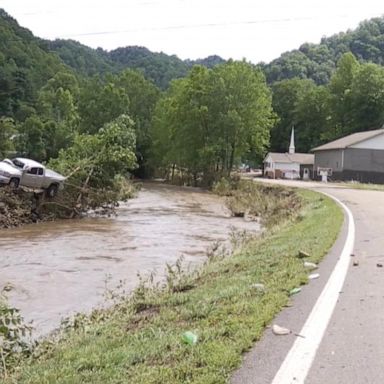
x: 359, y: 157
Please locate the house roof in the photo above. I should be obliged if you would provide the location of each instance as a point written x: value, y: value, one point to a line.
x: 349, y: 140
x: 301, y: 158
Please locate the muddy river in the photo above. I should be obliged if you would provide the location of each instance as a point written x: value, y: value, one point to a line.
x: 57, y: 269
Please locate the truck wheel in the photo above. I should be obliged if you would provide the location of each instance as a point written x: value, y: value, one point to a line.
x: 52, y: 190
x: 14, y: 182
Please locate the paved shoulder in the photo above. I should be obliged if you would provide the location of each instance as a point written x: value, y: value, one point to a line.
x: 351, y: 349
x: 264, y: 361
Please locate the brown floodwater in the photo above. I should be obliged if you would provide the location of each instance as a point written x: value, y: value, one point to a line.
x: 59, y: 268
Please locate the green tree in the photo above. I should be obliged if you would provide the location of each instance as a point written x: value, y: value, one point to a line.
x: 142, y: 95
x: 31, y: 138
x: 212, y: 118
x: 56, y: 106
x: 100, y: 157
x: 286, y: 96
x: 244, y: 110
x: 367, y: 98
x: 7, y: 130
x: 313, y: 117
x: 160, y: 155
x: 340, y: 87
x: 100, y: 102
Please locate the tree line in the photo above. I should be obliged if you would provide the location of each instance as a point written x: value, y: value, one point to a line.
x: 352, y: 101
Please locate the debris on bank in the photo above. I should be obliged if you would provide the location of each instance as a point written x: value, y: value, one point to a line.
x: 314, y: 276
x: 246, y: 198
x: 294, y: 291
x: 280, y: 331
x: 309, y: 265
x: 25, y: 206
x: 302, y: 254
x: 18, y: 207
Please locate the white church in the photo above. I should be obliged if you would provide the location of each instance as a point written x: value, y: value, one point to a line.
x: 289, y: 165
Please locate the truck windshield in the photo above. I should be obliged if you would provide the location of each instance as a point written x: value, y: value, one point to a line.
x: 18, y: 163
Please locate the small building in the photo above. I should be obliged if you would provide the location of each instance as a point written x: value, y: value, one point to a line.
x: 359, y: 157
x: 289, y: 165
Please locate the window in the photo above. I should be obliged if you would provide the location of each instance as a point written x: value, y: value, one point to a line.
x: 36, y: 171
x: 18, y: 163
x: 32, y: 171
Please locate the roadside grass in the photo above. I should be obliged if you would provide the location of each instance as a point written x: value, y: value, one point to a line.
x: 365, y: 186
x: 139, y: 340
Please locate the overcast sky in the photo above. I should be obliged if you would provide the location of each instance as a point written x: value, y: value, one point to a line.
x: 251, y: 29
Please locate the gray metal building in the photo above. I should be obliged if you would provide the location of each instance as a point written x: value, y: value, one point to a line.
x: 359, y: 157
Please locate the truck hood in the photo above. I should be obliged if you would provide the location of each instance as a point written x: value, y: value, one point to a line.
x: 5, y: 167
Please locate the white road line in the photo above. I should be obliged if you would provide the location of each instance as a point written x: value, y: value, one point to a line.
x: 299, y: 359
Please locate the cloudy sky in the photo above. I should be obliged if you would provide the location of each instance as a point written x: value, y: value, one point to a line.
x: 252, y: 29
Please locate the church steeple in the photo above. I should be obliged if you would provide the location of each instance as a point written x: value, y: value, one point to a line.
x: 292, y: 144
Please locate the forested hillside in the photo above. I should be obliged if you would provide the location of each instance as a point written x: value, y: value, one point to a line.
x: 82, y: 59
x: 157, y: 67
x: 311, y: 61
x: 47, y: 108
x: 194, y: 119
x: 25, y: 66
x: 318, y: 61
x: 93, y: 115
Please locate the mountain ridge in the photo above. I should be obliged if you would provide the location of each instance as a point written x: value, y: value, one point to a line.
x: 309, y: 61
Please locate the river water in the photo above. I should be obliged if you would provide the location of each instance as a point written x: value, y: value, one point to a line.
x: 59, y: 268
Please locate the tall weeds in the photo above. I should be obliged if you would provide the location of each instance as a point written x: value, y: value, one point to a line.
x: 269, y: 204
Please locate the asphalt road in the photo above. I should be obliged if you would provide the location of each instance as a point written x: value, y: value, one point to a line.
x: 352, y: 348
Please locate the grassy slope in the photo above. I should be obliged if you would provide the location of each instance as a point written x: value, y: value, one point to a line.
x: 141, y: 341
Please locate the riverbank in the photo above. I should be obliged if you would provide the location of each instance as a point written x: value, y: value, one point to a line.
x: 226, y: 304
x: 17, y: 208
x: 25, y: 206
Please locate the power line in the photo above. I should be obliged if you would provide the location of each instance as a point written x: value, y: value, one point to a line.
x: 195, y: 26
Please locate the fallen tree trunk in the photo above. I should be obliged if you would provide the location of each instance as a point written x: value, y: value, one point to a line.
x: 78, y: 201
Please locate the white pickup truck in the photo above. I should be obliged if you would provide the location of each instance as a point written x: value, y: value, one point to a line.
x: 30, y: 173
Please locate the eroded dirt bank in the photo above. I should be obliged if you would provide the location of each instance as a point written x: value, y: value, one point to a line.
x: 17, y: 208
x: 57, y: 268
